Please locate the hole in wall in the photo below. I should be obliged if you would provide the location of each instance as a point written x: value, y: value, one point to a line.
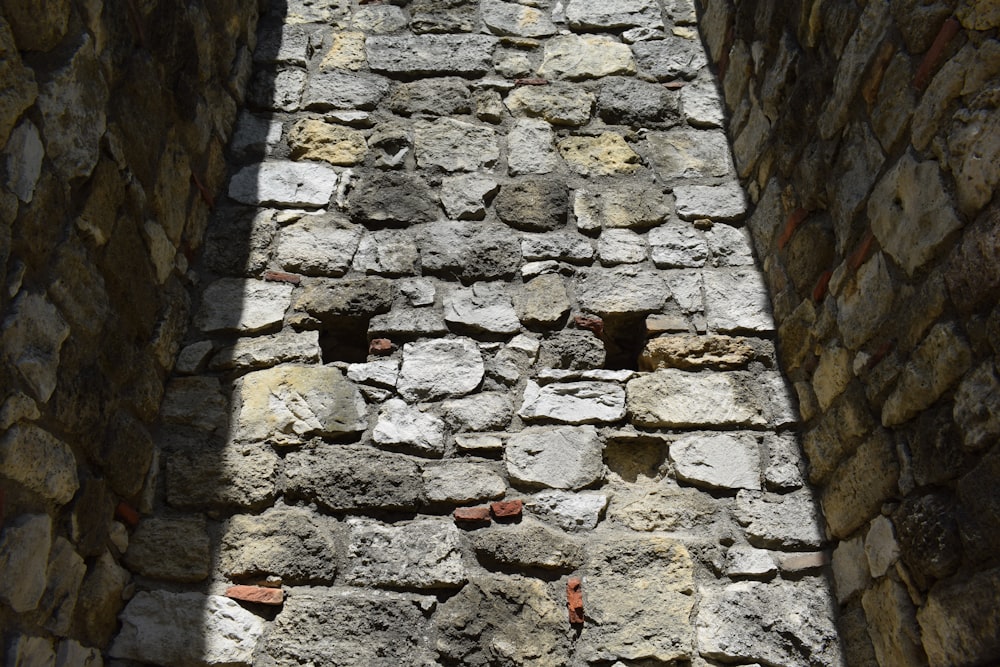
x: 344, y: 339
x: 624, y: 337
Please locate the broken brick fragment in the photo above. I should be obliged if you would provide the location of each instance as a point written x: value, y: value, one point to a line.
x: 472, y: 515
x: 282, y: 277
x: 821, y: 286
x: 257, y: 594
x: 932, y: 58
x: 574, y: 600
x: 794, y: 220
x: 380, y: 347
x: 589, y: 323
x: 507, y: 509
x: 127, y: 514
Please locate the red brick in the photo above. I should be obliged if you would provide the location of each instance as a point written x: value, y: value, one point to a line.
x: 472, y: 515
x: 127, y: 514
x: 380, y: 347
x: 507, y: 509
x: 819, y: 292
x: 794, y: 220
x: 574, y: 600
x: 859, y: 256
x: 932, y: 58
x: 258, y: 594
x: 206, y: 195
x: 282, y: 277
x: 594, y: 324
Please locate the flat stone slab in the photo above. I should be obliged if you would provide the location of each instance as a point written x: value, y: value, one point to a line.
x: 204, y: 475
x: 575, y: 57
x: 620, y: 204
x: 570, y: 511
x: 573, y: 402
x: 725, y: 202
x: 461, y: 482
x: 789, y: 521
x: 454, y: 145
x: 718, y: 460
x: 676, y: 244
x: 560, y: 457
x: 671, y: 58
x: 599, y: 291
x: 284, y: 183
x: 737, y: 300
x: 688, y: 153
x: 430, y: 54
x: 614, y: 14
x: 245, y: 306
x: 528, y: 543
x: 484, y: 307
x: 672, y: 398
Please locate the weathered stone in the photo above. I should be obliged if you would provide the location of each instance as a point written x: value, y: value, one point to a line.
x: 400, y: 425
x: 639, y: 600
x: 671, y: 398
x: 576, y: 57
x: 187, y: 628
x: 195, y: 401
x: 353, y: 477
x: 572, y: 349
x: 865, y: 302
x: 480, y: 412
x: 509, y: 18
x: 542, y: 301
x: 24, y: 160
x: 692, y: 352
x: 277, y: 91
x: 558, y: 103
x: 626, y: 204
x: 392, y: 196
x: 391, y: 144
x: 977, y: 407
x: 284, y: 183
x: 361, y: 628
x: 387, y: 252
x: 263, y: 351
x: 569, y: 511
x: 747, y: 562
x: 311, y: 139
x: 290, y: 403
x: 560, y: 457
x: 531, y: 148
x: 621, y: 246
x: 200, y: 475
x: 470, y: 252
x: 246, y: 306
x: 379, y: 19
x: 170, y: 549
x: 573, y: 402
x: 671, y: 58
x: 33, y: 335
x: 102, y: 589
x: 928, y: 534
x: 21, y: 89
x: 430, y: 54
x: 40, y: 462
x: 790, y: 520
x: 959, y: 621
x: 725, y: 202
x: 634, y: 102
x: 458, y: 482
x: 24, y: 551
x: 604, y: 155
x: 465, y: 196
x: 513, y: 619
x: 718, y: 461
x: 239, y: 243
x: 881, y: 549
x: 485, y: 307
x: 892, y: 624
x: 72, y: 105
x: 938, y: 363
x: 729, y: 622
x: 677, y: 245
x: 455, y: 145
x: 440, y: 368
x: 409, y: 323
x: 597, y: 292
x: 347, y: 51
x: 533, y: 205
x: 25, y: 650
x: 850, y: 569
x: 587, y: 14
x: 737, y: 300
x: 702, y: 104
x: 528, y: 544
x: 354, y: 297
x: 336, y: 89
x: 855, y: 493
x: 911, y: 213
x: 424, y: 554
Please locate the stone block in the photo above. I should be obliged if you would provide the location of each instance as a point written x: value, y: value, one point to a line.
x: 688, y: 153
x: 430, y: 54
x: 170, y: 549
x: 509, y: 18
x: 573, y: 402
x: 619, y: 204
x: 482, y: 308
x: 338, y: 89
x: 287, y: 542
x: 440, y: 368
x: 851, y: 573
x: 780, y: 521
x: 24, y: 549
x: 569, y: 511
x: 424, y: 554
x: 672, y: 398
x: 534, y: 205
x: 465, y: 196
x: 737, y: 300
x: 531, y: 150
x: 455, y: 145
x: 892, y: 624
x: 596, y: 291
x: 481, y: 252
x: 33, y: 335
x: 558, y: 103
x: 960, y: 624
x: 718, y: 460
x: 284, y: 183
x: 725, y: 203
x: 205, y: 474
x: 187, y: 628
x: 575, y: 57
x: 343, y: 478
x: 560, y: 457
x: 40, y: 462
x: 459, y: 482
x: 527, y: 544
x: 605, y: 155
x: 311, y: 139
x: 380, y: 196
x: 673, y: 58
x: 291, y: 403
x: 859, y: 486
x: 402, y: 426
x: 542, y: 301
x: 246, y: 306
x: 482, y: 411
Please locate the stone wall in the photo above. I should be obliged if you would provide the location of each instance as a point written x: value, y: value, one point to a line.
x: 868, y: 134
x: 481, y: 371
x: 113, y: 121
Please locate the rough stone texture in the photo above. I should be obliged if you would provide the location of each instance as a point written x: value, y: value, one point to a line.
x: 674, y: 398
x: 232, y: 304
x: 626, y: 579
x: 895, y: 635
x: 534, y: 205
x: 728, y: 620
x: 430, y: 54
x: 289, y: 403
x: 201, y: 474
x: 160, y: 623
x: 959, y: 622
x: 418, y: 555
x: 574, y: 57
x: 717, y: 202
x: 171, y: 549
x: 790, y: 520
x: 604, y: 155
x: 485, y: 307
x: 24, y: 545
x: 561, y: 457
x: 672, y: 58
x: 462, y: 482
x: 391, y: 197
x: 33, y: 335
x: 573, y: 402
x: 528, y: 544
x: 317, y: 247
x: 400, y: 425
x: 359, y: 627
x: 40, y: 462
x: 438, y: 369
x: 287, y: 542
x: 570, y: 511
x: 283, y: 183
x: 718, y: 461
